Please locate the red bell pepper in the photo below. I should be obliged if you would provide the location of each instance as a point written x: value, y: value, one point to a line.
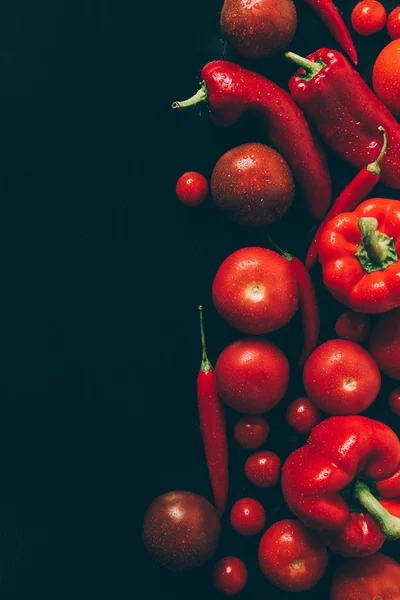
x: 359, y: 253
x: 321, y: 477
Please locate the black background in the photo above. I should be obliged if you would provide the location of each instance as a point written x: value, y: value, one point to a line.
x: 102, y: 271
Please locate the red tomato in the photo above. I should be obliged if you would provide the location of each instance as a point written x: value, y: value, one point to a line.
x: 252, y: 375
x: 353, y: 326
x: 368, y: 16
x: 341, y: 378
x: 255, y: 290
x: 394, y: 401
x: 230, y: 575
x: 302, y: 415
x: 292, y: 557
x: 384, y: 343
x: 393, y: 23
x: 248, y: 516
x: 376, y: 577
x: 386, y: 76
x: 263, y: 468
x: 251, y: 432
x: 192, y: 188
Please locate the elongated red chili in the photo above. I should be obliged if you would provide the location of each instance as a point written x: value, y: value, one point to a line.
x: 231, y: 90
x: 213, y: 428
x: 357, y: 190
x: 330, y: 16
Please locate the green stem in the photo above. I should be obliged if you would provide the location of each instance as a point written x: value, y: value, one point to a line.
x: 285, y: 254
x: 205, y: 363
x: 199, y: 97
x: 377, y: 252
x: 375, y: 167
x: 310, y: 68
x: 390, y: 525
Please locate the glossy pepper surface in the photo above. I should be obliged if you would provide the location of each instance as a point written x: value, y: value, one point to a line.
x: 346, y: 112
x: 359, y: 253
x: 231, y: 90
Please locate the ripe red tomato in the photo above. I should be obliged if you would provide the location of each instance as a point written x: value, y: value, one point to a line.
x: 248, y: 516
x: 371, y: 578
x: 263, y: 468
x: 192, y: 188
x: 255, y: 290
x: 341, y: 378
x: 252, y: 375
x: 384, y: 343
x: 393, y: 23
x: 386, y: 76
x: 230, y: 575
x: 394, y: 401
x: 302, y: 415
x: 353, y: 326
x: 251, y: 432
x: 292, y: 557
x: 368, y: 16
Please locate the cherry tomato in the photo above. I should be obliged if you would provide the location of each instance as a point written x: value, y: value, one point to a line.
x: 368, y: 16
x: 251, y: 432
x: 341, y: 378
x: 372, y: 578
x: 393, y: 24
x: 230, y: 575
x: 394, y: 401
x: 386, y: 76
x: 384, y: 343
x: 192, y: 188
x: 252, y: 375
x: 353, y: 326
x: 248, y: 516
x: 263, y: 468
x: 255, y: 290
x: 292, y: 557
x: 302, y: 415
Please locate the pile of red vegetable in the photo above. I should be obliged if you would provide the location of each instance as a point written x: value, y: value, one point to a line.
x: 342, y: 485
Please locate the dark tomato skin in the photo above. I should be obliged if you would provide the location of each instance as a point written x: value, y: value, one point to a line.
x: 263, y: 468
x: 394, y: 401
x: 248, y: 516
x: 393, y: 23
x: 376, y: 577
x: 192, y: 188
x: 368, y: 17
x: 230, y: 575
x: 353, y: 326
x: 251, y: 432
x: 384, y: 343
x: 292, y: 557
x: 302, y: 415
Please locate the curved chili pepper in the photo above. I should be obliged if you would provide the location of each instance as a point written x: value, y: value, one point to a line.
x: 354, y: 193
x: 213, y: 428
x: 345, y: 111
x: 231, y: 90
x: 330, y: 16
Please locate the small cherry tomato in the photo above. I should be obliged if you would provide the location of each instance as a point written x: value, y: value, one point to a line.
x: 251, y: 432
x: 384, y: 343
x: 393, y: 24
x: 230, y: 575
x: 302, y: 415
x: 292, y: 557
x: 353, y: 326
x: 368, y: 16
x: 248, y: 516
x: 386, y: 76
x: 373, y: 578
x: 263, y: 468
x: 192, y: 188
x: 394, y: 401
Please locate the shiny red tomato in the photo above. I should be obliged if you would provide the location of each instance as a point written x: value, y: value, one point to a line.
x: 353, y: 326
x: 292, y: 557
x: 386, y: 76
x: 394, y: 401
x: 302, y: 415
x: 263, y: 468
x: 192, y: 188
x: 393, y: 23
x: 247, y: 516
x: 368, y: 16
x: 230, y: 575
x: 384, y: 343
x: 376, y: 577
x: 251, y: 432
x: 341, y: 378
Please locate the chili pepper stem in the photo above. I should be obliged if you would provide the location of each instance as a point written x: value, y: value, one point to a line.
x: 375, y: 167
x: 205, y: 363
x: 390, y: 525
x: 283, y: 253
x: 376, y: 251
x: 311, y: 68
x: 199, y: 97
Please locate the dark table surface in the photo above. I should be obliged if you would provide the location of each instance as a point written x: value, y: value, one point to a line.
x: 102, y: 272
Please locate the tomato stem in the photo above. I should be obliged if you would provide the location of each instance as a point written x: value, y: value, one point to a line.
x: 389, y: 524
x: 205, y: 363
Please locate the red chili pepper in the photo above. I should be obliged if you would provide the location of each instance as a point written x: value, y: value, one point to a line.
x: 213, y: 429
x: 357, y: 190
x: 231, y: 90
x: 330, y: 16
x: 308, y: 305
x: 346, y: 112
